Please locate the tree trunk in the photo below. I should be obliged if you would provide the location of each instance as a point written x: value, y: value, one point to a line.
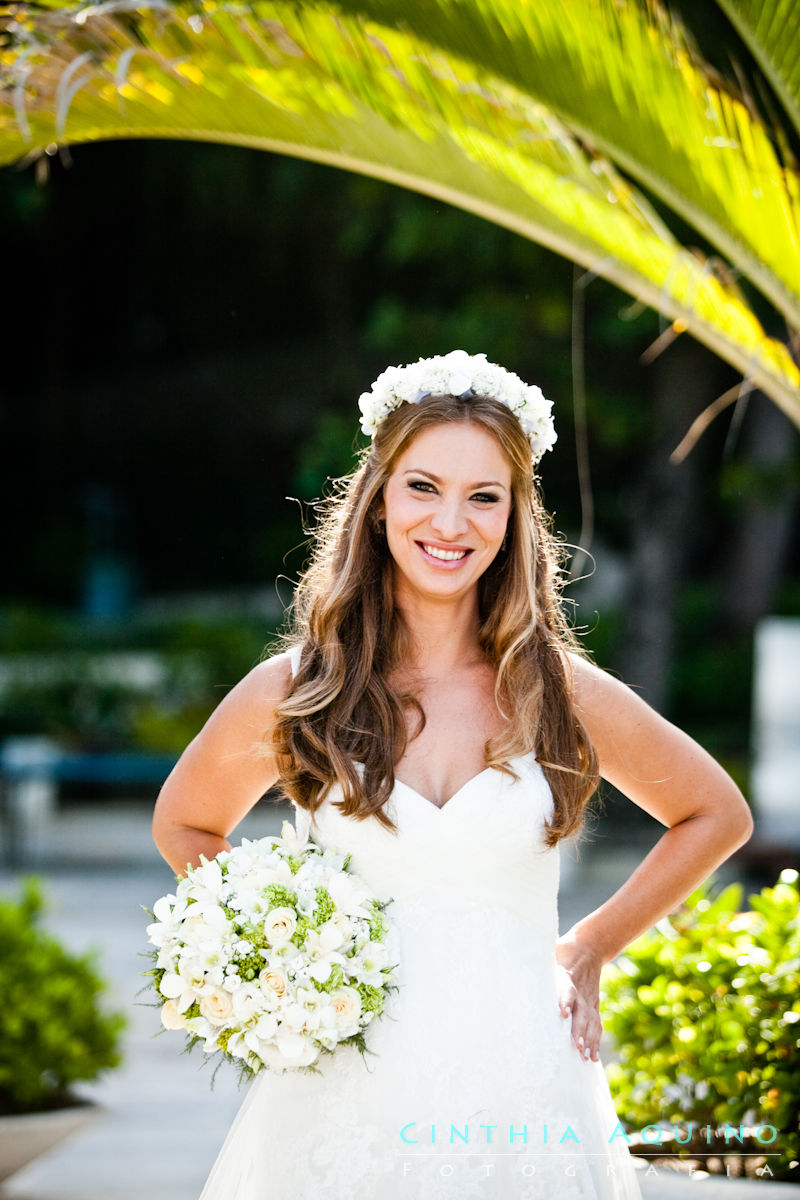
x: 763, y: 532
x: 661, y: 502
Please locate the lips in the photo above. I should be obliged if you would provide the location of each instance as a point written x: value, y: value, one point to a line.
x: 444, y: 555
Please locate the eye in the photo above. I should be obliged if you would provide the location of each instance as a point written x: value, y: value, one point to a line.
x: 422, y: 485
x: 486, y: 497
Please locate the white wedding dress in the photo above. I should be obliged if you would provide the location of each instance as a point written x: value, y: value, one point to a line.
x: 475, y: 1087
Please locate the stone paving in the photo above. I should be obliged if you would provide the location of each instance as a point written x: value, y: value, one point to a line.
x: 161, y: 1124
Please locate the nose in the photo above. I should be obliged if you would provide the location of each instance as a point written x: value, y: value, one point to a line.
x: 449, y: 520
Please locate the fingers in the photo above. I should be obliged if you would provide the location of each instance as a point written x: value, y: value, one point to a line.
x: 588, y: 1050
x: 587, y: 1027
x: 566, y: 1003
x: 566, y: 1000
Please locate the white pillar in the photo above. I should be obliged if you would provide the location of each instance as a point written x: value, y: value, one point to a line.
x: 776, y: 727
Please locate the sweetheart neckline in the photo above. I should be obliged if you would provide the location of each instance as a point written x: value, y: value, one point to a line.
x: 473, y: 779
x: 447, y: 803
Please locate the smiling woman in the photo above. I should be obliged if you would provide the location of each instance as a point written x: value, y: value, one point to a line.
x: 492, y: 613
x: 435, y: 720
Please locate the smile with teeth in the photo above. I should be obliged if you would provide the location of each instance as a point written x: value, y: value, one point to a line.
x: 445, y: 555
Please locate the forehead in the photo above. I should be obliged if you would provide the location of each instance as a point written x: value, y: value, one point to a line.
x: 456, y: 448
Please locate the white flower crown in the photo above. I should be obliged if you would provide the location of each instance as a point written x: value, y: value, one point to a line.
x: 460, y: 374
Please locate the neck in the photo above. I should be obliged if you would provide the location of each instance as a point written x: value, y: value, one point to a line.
x: 443, y: 634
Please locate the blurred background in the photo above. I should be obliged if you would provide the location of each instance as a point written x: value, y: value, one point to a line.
x: 189, y: 327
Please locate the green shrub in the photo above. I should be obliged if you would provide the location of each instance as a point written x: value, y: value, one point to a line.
x: 705, y: 1012
x: 53, y: 1033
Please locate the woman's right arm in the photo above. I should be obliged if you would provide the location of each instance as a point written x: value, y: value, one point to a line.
x: 224, y: 771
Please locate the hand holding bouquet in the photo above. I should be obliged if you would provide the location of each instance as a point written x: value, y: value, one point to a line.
x: 272, y: 953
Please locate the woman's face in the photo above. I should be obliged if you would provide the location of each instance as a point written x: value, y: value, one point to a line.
x: 446, y: 505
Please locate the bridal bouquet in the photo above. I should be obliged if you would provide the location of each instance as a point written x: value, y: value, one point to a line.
x: 272, y: 953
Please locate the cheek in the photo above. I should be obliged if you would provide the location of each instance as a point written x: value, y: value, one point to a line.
x: 497, y: 523
x: 401, y: 511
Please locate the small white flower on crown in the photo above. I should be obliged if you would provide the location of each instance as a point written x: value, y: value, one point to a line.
x: 457, y: 374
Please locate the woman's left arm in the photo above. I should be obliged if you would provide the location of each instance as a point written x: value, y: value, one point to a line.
x: 671, y: 777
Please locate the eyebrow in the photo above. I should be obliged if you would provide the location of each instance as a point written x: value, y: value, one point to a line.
x: 436, y: 479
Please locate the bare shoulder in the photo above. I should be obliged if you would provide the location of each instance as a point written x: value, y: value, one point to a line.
x: 599, y: 694
x: 230, y: 764
x: 248, y: 709
x: 593, y: 686
x: 614, y: 715
x: 266, y: 685
x: 645, y: 756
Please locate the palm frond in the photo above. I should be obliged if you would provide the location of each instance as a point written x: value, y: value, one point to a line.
x: 622, y: 74
x: 312, y: 82
x: 771, y: 30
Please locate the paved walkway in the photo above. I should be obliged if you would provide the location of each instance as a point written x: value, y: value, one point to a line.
x: 162, y: 1125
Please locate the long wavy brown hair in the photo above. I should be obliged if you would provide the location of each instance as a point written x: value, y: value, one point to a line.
x: 341, y: 721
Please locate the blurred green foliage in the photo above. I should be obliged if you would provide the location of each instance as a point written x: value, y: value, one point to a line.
x: 284, y: 287
x: 712, y: 680
x: 705, y: 1013
x: 146, y: 686
x: 214, y: 408
x: 53, y: 1031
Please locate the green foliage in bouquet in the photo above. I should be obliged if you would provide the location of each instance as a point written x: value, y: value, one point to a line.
x: 53, y: 1033
x: 705, y: 1012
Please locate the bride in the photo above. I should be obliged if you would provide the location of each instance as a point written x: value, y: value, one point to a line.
x: 435, y: 717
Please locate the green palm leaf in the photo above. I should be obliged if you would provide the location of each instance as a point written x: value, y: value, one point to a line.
x: 771, y: 29
x: 643, y: 99
x: 348, y: 91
